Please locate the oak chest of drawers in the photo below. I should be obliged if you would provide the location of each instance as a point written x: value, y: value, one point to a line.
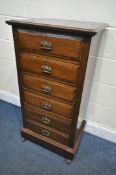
x: 51, y: 57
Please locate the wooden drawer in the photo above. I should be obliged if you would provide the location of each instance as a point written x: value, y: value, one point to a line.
x: 48, y: 104
x: 49, y: 87
x: 48, y: 132
x: 60, y: 123
x: 48, y: 113
x: 48, y: 67
x: 52, y: 44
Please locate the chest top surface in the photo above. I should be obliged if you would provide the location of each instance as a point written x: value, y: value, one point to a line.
x: 83, y: 27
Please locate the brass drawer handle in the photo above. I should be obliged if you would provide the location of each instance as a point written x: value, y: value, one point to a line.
x: 46, y: 69
x: 46, y: 45
x: 46, y: 105
x: 46, y: 89
x: 45, y: 132
x: 46, y: 120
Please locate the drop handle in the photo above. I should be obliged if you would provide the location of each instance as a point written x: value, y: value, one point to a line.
x: 46, y: 105
x: 46, y: 120
x: 45, y: 132
x: 46, y: 69
x: 46, y: 89
x: 46, y: 45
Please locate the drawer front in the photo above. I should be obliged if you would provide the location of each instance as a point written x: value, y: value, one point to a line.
x: 49, y: 87
x: 48, y: 113
x: 50, y: 45
x: 57, y: 123
x: 45, y: 66
x: 48, y: 104
x: 48, y: 132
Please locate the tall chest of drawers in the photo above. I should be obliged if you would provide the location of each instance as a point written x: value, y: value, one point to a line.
x: 51, y: 58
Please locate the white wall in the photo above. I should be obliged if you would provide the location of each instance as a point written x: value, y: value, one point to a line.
x: 99, y: 96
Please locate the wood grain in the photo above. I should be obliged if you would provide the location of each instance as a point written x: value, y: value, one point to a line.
x: 61, y: 70
x: 59, y: 46
x: 57, y: 107
x: 59, y: 90
x: 60, y: 123
x: 52, y: 133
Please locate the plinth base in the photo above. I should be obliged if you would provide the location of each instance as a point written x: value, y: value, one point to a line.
x: 54, y: 146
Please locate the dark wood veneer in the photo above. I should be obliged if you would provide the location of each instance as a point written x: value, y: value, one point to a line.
x: 60, y: 70
x: 71, y: 26
x: 57, y: 122
x: 59, y: 90
x: 58, y: 107
x: 59, y: 46
x: 51, y: 58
